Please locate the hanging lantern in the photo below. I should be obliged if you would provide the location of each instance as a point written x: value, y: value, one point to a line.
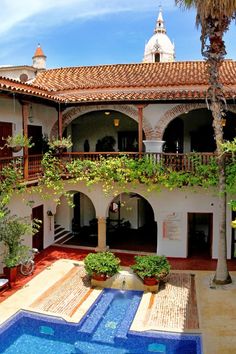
x: 116, y: 122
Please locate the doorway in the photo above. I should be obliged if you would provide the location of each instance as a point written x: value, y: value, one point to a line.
x: 200, y: 234
x: 37, y: 213
x: 5, y: 131
x: 35, y: 132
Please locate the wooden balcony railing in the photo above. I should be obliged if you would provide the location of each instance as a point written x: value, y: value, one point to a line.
x: 177, y: 162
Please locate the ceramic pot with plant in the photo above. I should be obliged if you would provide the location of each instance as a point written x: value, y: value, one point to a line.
x: 101, y: 265
x: 60, y: 145
x: 17, y: 142
x: 151, y: 269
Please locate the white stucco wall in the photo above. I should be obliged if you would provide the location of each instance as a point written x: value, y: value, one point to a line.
x: 165, y: 204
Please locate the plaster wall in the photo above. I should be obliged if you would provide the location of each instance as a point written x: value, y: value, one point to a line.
x: 153, y: 112
x: 15, y: 74
x: 166, y: 206
x: 11, y: 112
x: 97, y: 125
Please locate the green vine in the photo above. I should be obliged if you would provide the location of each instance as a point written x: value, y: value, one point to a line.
x: 11, y: 178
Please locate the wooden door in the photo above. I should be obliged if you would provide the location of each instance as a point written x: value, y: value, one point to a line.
x: 37, y: 213
x: 5, y: 131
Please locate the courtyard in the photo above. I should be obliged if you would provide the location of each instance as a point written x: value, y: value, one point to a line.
x: 187, y: 303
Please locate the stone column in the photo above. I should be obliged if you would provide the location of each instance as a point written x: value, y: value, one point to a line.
x: 153, y: 145
x: 101, y: 235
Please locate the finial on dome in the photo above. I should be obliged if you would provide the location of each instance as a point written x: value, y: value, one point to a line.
x: 160, y: 27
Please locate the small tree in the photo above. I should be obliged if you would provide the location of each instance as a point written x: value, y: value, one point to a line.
x: 12, y: 230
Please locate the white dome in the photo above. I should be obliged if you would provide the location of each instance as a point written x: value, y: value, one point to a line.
x: 161, y: 43
x: 159, y: 46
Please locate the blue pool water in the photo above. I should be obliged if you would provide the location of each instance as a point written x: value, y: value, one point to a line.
x: 104, y: 329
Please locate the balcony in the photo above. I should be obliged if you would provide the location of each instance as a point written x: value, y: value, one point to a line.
x: 31, y: 168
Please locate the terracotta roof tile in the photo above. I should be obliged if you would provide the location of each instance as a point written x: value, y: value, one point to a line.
x: 11, y: 85
x: 132, y: 76
x: 125, y: 82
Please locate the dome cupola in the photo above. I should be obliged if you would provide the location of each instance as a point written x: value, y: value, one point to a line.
x: 39, y: 59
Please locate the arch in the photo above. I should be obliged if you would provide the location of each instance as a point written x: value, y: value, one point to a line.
x: 76, y: 112
x: 178, y: 110
x: 173, y: 113
x: 131, y: 223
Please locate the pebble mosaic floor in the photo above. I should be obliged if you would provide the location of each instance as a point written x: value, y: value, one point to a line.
x: 65, y: 296
x: 174, y: 306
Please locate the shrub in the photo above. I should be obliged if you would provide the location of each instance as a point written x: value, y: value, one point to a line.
x: 101, y: 263
x: 151, y: 266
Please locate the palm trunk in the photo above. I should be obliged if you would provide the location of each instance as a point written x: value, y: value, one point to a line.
x: 214, y: 53
x: 222, y: 275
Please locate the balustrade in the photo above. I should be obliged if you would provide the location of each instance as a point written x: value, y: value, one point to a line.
x: 177, y: 162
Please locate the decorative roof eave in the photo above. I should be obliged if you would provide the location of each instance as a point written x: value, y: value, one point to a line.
x: 142, y: 95
x: 16, y: 87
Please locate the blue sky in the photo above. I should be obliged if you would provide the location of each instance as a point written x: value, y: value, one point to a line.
x: 93, y: 32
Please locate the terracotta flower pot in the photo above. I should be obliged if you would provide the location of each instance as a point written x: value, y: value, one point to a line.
x: 99, y: 277
x: 150, y: 281
x: 11, y: 274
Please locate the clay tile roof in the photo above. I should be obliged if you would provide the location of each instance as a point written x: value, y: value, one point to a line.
x: 39, y: 52
x: 127, y: 82
x: 11, y: 85
x: 158, y: 75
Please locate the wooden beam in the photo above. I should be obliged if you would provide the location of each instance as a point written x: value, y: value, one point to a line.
x: 140, y: 128
x: 60, y: 124
x: 25, y: 116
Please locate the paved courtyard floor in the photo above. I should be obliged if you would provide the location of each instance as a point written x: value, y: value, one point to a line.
x: 187, y: 303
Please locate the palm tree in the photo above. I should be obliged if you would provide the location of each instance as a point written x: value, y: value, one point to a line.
x: 214, y: 17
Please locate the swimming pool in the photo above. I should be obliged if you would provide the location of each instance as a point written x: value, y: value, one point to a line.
x: 104, y: 329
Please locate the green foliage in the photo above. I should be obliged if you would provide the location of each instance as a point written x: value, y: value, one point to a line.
x: 116, y: 173
x: 12, y: 230
x: 58, y: 145
x: 11, y: 177
x: 151, y: 266
x: 101, y: 263
x: 19, y: 140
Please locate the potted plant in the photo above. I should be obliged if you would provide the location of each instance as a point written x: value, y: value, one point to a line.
x: 151, y: 269
x: 101, y: 265
x: 17, y: 142
x: 59, y: 145
x: 12, y: 230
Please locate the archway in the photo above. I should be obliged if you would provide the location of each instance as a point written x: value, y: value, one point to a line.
x: 78, y: 225
x: 103, y: 131
x: 131, y: 224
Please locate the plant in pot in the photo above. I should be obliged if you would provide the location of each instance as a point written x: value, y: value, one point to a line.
x: 101, y: 265
x: 17, y: 142
x: 151, y: 269
x: 59, y: 145
x: 12, y: 230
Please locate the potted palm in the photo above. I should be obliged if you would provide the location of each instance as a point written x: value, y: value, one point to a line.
x: 17, y: 142
x: 101, y: 265
x: 151, y: 269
